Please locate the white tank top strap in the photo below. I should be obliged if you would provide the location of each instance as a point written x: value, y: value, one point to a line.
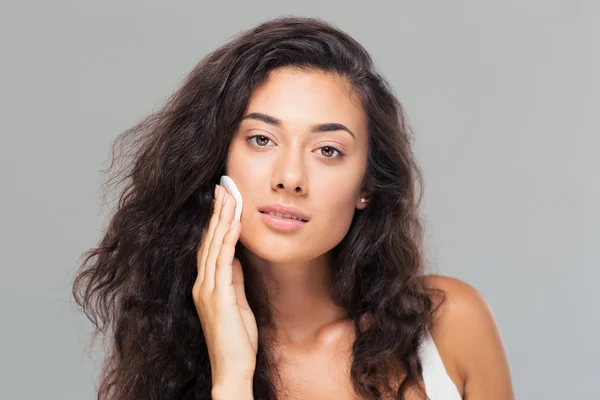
x: 438, y: 384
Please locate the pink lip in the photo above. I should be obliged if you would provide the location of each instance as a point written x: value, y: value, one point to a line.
x: 283, y: 209
x: 282, y: 224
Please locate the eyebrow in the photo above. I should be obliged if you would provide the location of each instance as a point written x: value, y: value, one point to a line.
x: 328, y: 127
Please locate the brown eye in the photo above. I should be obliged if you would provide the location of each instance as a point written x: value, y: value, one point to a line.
x: 328, y: 151
x: 262, y: 141
x: 259, y: 140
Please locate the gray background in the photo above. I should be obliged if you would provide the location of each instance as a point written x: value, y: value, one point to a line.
x: 503, y: 98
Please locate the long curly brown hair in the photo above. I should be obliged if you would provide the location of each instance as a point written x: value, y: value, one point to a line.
x: 136, y: 285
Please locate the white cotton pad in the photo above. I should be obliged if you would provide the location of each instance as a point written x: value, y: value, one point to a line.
x: 229, y: 184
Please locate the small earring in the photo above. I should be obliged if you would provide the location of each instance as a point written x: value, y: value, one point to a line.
x: 364, y: 200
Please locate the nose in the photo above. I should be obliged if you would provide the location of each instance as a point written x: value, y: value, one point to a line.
x: 290, y: 175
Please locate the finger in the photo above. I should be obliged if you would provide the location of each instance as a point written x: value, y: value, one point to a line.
x: 225, y: 219
x: 203, y: 252
x: 223, y: 274
x: 208, y: 234
x: 237, y: 279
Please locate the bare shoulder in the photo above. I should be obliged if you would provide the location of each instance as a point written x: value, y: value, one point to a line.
x: 468, y: 339
x: 460, y: 299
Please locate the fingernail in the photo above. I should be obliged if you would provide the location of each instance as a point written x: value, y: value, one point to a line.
x: 216, y: 191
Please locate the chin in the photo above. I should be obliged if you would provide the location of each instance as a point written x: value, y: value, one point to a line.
x: 280, y: 254
x: 282, y: 250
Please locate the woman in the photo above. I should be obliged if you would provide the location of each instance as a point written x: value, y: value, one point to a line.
x: 320, y: 291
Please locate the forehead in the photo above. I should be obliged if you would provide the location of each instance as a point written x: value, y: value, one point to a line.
x: 308, y: 97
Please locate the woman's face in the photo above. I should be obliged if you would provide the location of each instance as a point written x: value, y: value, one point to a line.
x: 302, y: 144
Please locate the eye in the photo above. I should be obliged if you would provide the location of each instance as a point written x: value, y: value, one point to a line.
x: 329, y: 151
x: 259, y: 140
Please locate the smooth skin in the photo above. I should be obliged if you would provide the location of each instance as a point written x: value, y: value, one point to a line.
x: 292, y: 164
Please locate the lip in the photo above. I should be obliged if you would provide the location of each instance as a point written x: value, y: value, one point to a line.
x: 283, y: 224
x: 282, y: 209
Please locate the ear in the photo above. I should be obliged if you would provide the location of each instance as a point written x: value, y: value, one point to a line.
x: 366, y: 193
x: 363, y: 199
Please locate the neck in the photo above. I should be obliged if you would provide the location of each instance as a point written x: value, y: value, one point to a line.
x: 299, y: 297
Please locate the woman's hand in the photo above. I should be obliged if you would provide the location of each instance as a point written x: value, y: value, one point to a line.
x: 227, y: 321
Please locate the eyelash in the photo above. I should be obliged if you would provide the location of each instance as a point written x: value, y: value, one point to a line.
x: 328, y: 159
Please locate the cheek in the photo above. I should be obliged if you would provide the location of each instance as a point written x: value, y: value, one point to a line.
x: 247, y: 172
x: 336, y: 207
x: 340, y: 214
x: 335, y: 195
